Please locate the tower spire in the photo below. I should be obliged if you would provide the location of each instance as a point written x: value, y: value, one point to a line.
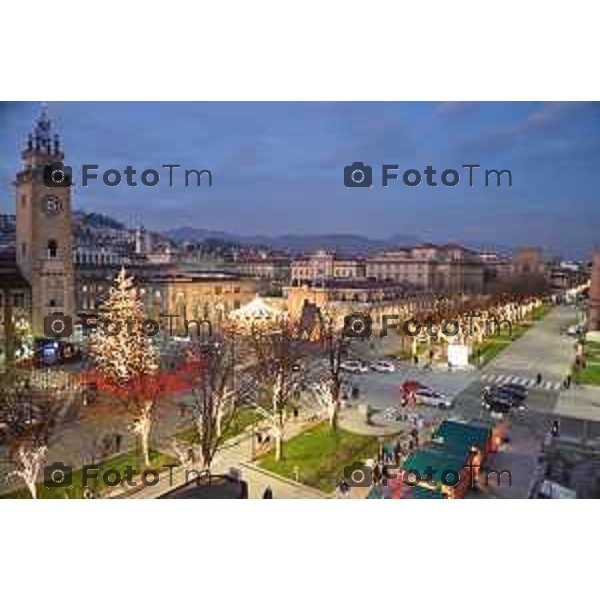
x: 42, y: 137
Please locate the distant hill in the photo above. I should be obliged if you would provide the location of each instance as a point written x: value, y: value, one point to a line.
x: 96, y: 220
x: 340, y: 242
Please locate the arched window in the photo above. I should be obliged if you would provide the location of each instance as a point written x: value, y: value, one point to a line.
x: 52, y: 249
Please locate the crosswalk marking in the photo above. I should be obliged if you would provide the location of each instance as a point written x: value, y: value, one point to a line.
x: 496, y: 379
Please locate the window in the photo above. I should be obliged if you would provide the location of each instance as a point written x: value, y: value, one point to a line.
x: 19, y: 300
x: 23, y: 249
x: 23, y: 201
x: 52, y: 249
x: 218, y: 290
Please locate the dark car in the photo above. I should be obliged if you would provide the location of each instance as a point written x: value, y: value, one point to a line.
x: 497, y: 406
x: 509, y: 395
x: 516, y: 388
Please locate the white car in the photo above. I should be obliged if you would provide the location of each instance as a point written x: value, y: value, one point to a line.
x: 432, y: 398
x: 383, y: 366
x: 354, y: 366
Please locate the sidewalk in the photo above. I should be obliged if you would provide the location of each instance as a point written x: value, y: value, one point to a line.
x: 237, y: 454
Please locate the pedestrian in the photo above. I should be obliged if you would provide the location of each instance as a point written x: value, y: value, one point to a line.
x: 555, y: 430
x: 376, y: 474
x: 268, y: 493
x: 416, y: 359
x: 539, y: 379
x: 397, y: 451
x: 343, y: 488
x: 569, y: 380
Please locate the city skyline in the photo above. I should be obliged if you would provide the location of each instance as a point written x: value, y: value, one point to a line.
x: 278, y: 167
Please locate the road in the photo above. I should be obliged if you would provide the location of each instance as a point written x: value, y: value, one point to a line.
x: 542, y: 349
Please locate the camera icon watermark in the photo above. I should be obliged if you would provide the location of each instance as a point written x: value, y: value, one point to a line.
x: 358, y: 325
x: 358, y: 175
x: 58, y: 175
x: 58, y: 325
x: 358, y: 475
x: 58, y: 475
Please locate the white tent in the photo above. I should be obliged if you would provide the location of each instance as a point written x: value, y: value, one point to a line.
x: 257, y: 311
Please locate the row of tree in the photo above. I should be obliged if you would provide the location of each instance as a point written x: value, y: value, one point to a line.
x: 275, y: 379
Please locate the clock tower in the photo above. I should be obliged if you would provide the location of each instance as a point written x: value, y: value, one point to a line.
x: 44, y: 235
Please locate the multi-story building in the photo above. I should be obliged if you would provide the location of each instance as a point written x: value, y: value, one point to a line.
x: 443, y: 269
x: 8, y: 228
x: 188, y: 294
x: 323, y: 265
x: 496, y: 268
x: 594, y: 296
x: 15, y: 304
x: 529, y: 262
x: 276, y: 269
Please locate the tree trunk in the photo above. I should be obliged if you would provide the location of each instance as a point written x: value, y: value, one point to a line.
x: 142, y: 428
x: 278, y: 435
x: 145, y: 435
x: 333, y: 410
x: 31, y: 486
x: 219, y: 420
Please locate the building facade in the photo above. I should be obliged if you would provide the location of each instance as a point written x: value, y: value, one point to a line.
x: 594, y: 296
x: 442, y: 269
x: 323, y: 265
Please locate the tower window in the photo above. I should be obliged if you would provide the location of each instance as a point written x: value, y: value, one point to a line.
x: 23, y: 249
x: 52, y: 249
x: 23, y: 201
x: 19, y: 300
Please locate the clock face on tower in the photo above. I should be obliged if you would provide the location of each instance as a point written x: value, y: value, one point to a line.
x: 52, y: 206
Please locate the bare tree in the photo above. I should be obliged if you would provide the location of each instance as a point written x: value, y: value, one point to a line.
x: 214, y: 396
x: 31, y: 420
x: 336, y: 347
x: 277, y: 355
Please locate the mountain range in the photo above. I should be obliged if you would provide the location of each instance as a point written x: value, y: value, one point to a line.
x: 341, y: 242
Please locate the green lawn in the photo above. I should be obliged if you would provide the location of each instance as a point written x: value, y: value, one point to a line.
x: 320, y: 456
x: 118, y: 463
x: 591, y: 374
x: 244, y: 418
x: 495, y: 344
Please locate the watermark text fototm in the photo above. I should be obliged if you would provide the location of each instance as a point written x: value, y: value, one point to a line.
x: 59, y: 175
x: 59, y: 325
x: 59, y: 475
x: 361, y: 475
x: 360, y: 325
x: 359, y: 175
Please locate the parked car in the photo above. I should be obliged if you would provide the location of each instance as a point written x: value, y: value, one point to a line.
x: 354, y: 366
x: 383, y: 366
x: 510, y: 396
x: 497, y: 406
x: 516, y: 388
x: 575, y: 330
x: 432, y: 398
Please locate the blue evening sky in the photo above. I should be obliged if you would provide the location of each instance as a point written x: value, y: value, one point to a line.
x: 278, y: 167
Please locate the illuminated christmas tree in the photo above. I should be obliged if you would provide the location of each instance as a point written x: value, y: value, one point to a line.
x: 127, y: 359
x: 121, y: 350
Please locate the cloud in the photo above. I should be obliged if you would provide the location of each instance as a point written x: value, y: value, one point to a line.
x: 456, y: 110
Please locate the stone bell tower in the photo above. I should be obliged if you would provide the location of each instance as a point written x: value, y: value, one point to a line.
x: 44, y: 234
